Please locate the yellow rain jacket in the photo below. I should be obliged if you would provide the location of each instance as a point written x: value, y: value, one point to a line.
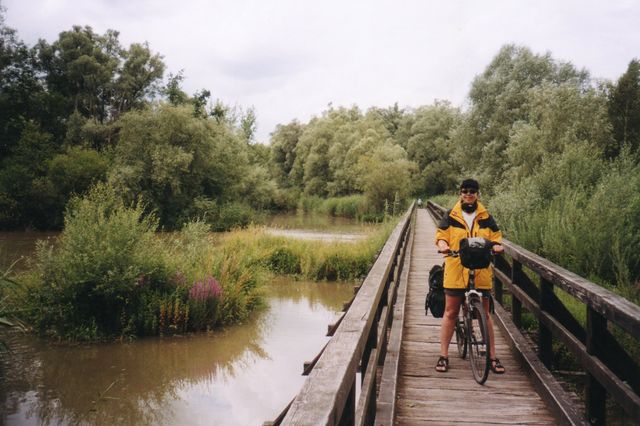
x: 452, y: 229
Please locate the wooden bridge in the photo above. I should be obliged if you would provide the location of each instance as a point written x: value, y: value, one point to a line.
x: 378, y: 368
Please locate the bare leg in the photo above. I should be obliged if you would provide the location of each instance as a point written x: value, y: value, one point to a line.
x: 492, y: 340
x: 496, y: 366
x: 452, y: 306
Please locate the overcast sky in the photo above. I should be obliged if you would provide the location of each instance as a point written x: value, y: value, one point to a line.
x: 290, y: 58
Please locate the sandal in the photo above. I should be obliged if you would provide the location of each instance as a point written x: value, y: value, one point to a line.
x: 443, y: 364
x: 496, y: 366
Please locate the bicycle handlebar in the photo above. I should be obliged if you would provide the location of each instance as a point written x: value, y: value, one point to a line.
x: 456, y: 253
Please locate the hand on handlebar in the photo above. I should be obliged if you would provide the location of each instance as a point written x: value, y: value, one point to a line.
x: 443, y: 246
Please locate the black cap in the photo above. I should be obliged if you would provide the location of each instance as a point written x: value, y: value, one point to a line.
x: 471, y: 184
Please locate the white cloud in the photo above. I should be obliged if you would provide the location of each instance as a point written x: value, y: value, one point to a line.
x: 289, y: 59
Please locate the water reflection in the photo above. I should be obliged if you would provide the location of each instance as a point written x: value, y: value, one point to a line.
x: 242, y: 375
x: 316, y: 222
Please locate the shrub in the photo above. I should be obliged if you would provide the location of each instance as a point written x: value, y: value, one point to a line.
x: 203, y: 303
x: 96, y: 274
x: 112, y: 275
x: 339, y: 267
x: 284, y: 261
x: 233, y: 215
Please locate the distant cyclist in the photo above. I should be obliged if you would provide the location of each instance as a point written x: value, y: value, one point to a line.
x: 468, y: 218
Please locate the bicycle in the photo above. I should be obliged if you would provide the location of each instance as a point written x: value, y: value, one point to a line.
x: 471, y: 329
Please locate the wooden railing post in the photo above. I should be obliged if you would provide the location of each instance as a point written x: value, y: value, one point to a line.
x: 371, y: 343
x: 516, y: 304
x: 349, y: 413
x: 596, y: 395
x: 612, y: 372
x: 497, y: 284
x: 545, y: 341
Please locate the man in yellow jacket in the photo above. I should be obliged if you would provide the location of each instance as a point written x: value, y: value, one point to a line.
x: 468, y: 218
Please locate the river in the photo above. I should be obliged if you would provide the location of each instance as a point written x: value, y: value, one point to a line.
x: 241, y: 375
x: 238, y: 376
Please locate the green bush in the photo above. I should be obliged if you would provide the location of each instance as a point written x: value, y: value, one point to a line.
x: 352, y: 206
x: 233, y: 215
x: 560, y: 215
x: 104, y: 260
x: 284, y: 261
x: 310, y: 204
x: 111, y: 275
x: 340, y: 267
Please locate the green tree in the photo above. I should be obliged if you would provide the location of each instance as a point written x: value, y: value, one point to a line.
x: 248, y: 125
x: 284, y: 141
x: 138, y: 78
x: 429, y: 144
x: 385, y: 175
x: 80, y: 66
x: 624, y: 110
x: 75, y: 171
x: 21, y: 92
x: 560, y: 116
x: 173, y: 90
x: 168, y: 157
x: 500, y: 99
x: 26, y: 192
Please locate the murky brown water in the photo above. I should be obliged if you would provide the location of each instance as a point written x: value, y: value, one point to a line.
x: 318, y: 227
x: 240, y: 376
x: 16, y: 247
x: 314, y: 222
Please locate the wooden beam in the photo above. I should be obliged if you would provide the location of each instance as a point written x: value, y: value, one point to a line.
x: 326, y: 392
x: 385, y: 405
x: 558, y: 400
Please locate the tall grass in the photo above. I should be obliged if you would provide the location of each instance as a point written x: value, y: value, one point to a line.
x: 591, y: 228
x: 352, y: 206
x: 111, y: 275
x: 315, y: 260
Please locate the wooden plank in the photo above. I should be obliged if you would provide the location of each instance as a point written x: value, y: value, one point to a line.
x: 551, y: 391
x: 615, y: 308
x: 385, y: 404
x: 329, y: 385
x: 621, y: 391
x: 424, y: 396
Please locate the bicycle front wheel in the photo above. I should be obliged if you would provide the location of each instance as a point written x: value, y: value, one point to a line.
x: 478, y: 342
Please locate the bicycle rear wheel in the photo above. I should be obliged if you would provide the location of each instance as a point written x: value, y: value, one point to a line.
x: 461, y: 338
x: 478, y: 342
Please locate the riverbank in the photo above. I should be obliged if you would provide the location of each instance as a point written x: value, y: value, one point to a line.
x: 110, y: 276
x: 237, y: 375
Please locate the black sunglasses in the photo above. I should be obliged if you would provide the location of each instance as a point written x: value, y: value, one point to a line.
x: 469, y: 191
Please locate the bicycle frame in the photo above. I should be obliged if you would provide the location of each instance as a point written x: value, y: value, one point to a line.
x: 471, y: 337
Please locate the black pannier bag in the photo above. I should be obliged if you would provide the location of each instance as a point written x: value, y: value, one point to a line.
x: 435, y: 300
x: 475, y: 253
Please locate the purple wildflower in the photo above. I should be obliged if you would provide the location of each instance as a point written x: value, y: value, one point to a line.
x: 204, y: 290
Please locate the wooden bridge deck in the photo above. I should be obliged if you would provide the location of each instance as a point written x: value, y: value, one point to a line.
x: 427, y: 397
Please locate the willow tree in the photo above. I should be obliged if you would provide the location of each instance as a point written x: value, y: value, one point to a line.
x: 624, y: 110
x: 169, y: 157
x: 499, y: 100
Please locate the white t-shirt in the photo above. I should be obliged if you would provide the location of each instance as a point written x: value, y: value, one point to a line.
x: 468, y: 217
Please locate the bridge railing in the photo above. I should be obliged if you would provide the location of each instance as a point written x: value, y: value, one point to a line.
x: 610, y: 370
x: 328, y: 396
